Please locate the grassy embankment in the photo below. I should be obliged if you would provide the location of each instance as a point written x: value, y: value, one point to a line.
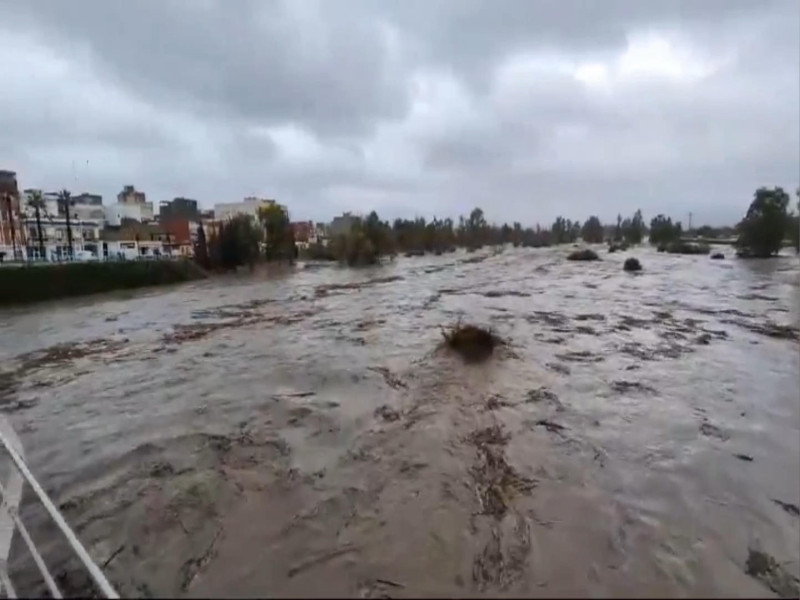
x: 27, y: 284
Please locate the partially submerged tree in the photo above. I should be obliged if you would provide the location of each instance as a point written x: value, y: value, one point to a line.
x: 763, y: 228
x: 476, y: 228
x: 565, y: 231
x: 618, y: 229
x: 592, y: 232
x: 663, y: 231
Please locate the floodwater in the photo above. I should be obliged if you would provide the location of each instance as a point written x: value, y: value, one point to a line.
x: 292, y: 434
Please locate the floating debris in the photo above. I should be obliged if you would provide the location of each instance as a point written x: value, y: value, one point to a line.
x: 583, y: 356
x: 496, y: 401
x: 766, y: 569
x: 709, y: 430
x: 541, y: 394
x: 551, y: 426
x: 790, y: 508
x: 558, y: 368
x: 390, y: 378
x: 501, y: 293
x: 496, y: 481
x: 624, y: 386
x: 387, y: 413
x: 322, y: 290
x: 590, y: 317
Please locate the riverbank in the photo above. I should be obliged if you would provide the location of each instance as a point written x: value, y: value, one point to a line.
x: 28, y: 284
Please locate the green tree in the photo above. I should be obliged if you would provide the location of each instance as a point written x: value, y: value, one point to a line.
x: 662, y: 230
x: 65, y: 201
x: 762, y: 230
x: 561, y: 230
x: 476, y: 227
x: 633, y: 229
x: 592, y: 231
x: 278, y: 233
x: 793, y: 232
x: 379, y: 234
x: 234, y: 243
x: 201, y: 247
x: 516, y: 236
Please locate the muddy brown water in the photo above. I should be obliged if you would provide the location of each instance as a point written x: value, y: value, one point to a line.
x: 299, y: 434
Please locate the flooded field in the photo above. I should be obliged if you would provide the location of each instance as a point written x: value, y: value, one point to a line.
x: 305, y: 433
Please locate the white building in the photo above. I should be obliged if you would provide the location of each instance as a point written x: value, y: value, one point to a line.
x: 84, y: 207
x: 115, y: 213
x: 249, y: 206
x: 131, y: 204
x: 85, y: 237
x: 86, y: 222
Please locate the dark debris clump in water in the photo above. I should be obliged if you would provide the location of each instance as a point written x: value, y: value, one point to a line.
x: 632, y: 264
x: 473, y: 343
x: 585, y: 254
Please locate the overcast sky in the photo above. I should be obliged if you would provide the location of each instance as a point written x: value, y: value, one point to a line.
x: 529, y: 109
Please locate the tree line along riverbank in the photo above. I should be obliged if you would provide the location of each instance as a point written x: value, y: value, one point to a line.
x: 243, y: 241
x: 36, y: 283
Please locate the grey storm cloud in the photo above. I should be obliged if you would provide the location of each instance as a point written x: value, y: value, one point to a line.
x: 528, y: 108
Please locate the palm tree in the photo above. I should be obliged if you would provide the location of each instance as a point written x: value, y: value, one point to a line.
x: 35, y: 200
x: 65, y: 200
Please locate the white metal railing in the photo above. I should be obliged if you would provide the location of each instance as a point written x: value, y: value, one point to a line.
x: 11, y: 493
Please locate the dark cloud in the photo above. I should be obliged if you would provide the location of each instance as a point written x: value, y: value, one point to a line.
x: 530, y: 109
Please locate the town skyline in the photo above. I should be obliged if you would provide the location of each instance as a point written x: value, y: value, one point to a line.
x: 690, y: 217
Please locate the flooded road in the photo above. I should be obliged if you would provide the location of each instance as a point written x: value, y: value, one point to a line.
x: 304, y: 433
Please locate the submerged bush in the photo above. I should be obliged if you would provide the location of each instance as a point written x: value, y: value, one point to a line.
x: 617, y: 246
x: 318, y: 252
x: 473, y: 343
x: 585, y: 254
x: 632, y: 264
x: 687, y: 248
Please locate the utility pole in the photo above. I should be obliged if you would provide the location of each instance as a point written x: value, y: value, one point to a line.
x: 690, y: 222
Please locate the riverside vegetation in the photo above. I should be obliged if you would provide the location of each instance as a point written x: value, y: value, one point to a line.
x: 767, y: 225
x: 242, y: 241
x: 21, y: 285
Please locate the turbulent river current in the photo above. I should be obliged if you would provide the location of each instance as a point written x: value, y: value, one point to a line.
x: 305, y: 432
